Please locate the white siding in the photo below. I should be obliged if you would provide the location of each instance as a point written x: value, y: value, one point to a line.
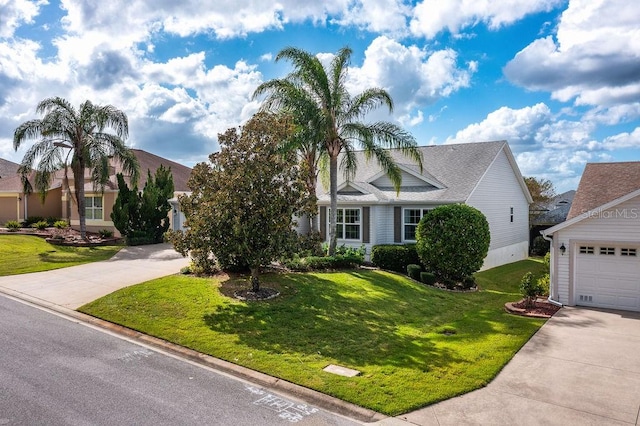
x: 619, y: 224
x: 382, y: 222
x: 497, y: 192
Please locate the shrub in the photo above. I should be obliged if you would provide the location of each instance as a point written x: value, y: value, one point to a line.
x: 318, y: 263
x: 13, y: 225
x: 529, y: 289
x: 427, y: 278
x: 540, y: 246
x: 186, y: 270
x: 543, y: 284
x: 394, y: 257
x: 40, y: 225
x: 60, y: 224
x: 105, y: 233
x: 32, y: 220
x: 310, y: 244
x: 51, y: 220
x: 468, y: 282
x: 413, y: 271
x: 453, y: 241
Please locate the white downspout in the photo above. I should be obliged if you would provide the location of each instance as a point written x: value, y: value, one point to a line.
x: 551, y: 285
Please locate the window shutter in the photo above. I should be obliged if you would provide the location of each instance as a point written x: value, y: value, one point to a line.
x: 397, y: 224
x: 323, y: 223
x: 365, y: 225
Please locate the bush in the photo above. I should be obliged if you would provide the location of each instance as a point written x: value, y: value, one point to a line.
x: 186, y: 270
x: 310, y: 244
x: 12, y: 225
x: 32, y: 220
x: 60, y: 224
x: 427, y: 278
x: 540, y: 246
x: 139, y: 238
x: 543, y: 285
x: 40, y: 225
x: 51, y: 220
x: 453, y: 241
x: 413, y: 271
x: 468, y: 282
x: 529, y: 289
x: 105, y: 233
x: 319, y: 263
x: 394, y: 257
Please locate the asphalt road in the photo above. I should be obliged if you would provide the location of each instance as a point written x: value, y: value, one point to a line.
x: 55, y: 371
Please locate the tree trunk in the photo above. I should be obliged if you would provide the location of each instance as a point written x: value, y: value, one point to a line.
x: 255, y: 279
x: 333, y: 190
x: 78, y: 181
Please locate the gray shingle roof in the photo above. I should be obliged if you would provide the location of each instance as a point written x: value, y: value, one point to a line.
x: 456, y: 167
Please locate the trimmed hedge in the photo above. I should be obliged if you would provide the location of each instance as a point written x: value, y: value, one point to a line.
x: 413, y: 271
x: 427, y: 278
x: 394, y: 257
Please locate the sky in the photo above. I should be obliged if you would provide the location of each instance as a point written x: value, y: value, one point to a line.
x: 559, y: 80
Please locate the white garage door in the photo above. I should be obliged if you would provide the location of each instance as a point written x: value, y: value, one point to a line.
x: 608, y: 276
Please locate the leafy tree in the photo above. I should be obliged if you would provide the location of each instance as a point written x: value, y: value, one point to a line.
x: 332, y: 120
x: 80, y: 134
x: 452, y: 241
x: 541, y: 190
x: 143, y: 217
x: 241, y: 207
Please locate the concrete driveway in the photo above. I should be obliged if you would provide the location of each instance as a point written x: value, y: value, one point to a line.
x: 581, y: 368
x: 77, y: 285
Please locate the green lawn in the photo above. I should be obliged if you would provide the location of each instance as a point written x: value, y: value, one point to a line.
x: 414, y: 345
x: 21, y: 254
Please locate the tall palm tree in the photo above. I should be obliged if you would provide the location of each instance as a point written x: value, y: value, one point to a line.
x: 74, y: 138
x: 319, y: 99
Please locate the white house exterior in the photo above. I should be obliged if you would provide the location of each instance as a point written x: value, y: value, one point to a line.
x: 595, y: 253
x: 483, y: 175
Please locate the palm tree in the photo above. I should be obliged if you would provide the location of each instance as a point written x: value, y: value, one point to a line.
x: 82, y: 133
x: 319, y: 99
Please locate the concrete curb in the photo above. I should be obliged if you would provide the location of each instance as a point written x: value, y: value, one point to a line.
x: 308, y: 395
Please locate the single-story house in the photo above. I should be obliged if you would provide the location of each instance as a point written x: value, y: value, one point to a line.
x: 15, y: 205
x: 483, y: 175
x: 551, y: 214
x: 595, y: 252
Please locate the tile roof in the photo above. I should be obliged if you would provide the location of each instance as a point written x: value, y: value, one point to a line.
x: 457, y: 167
x: 8, y: 168
x: 602, y: 183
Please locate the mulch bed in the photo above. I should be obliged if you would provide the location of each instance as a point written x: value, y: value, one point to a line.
x: 64, y: 237
x: 542, y: 308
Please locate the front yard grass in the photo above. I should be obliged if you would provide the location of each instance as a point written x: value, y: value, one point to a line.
x: 22, y: 254
x: 414, y: 345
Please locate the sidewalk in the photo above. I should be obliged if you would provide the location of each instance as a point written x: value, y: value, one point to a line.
x: 78, y: 285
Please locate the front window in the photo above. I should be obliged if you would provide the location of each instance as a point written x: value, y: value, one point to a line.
x: 348, y: 224
x: 411, y: 218
x: 93, y: 208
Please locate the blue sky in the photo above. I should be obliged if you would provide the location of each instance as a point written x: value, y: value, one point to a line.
x: 559, y: 80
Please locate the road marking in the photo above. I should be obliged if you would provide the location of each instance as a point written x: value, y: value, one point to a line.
x: 287, y: 410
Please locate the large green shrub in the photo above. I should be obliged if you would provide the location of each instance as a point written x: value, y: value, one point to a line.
x: 452, y: 241
x: 394, y: 257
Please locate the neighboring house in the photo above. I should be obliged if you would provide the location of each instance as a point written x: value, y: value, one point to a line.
x: 551, y: 214
x: 7, y: 168
x: 595, y: 252
x: 483, y: 175
x: 99, y: 205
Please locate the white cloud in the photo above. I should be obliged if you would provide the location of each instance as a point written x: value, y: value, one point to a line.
x: 594, y: 60
x: 413, y: 76
x: 430, y: 17
x: 15, y: 12
x: 623, y: 140
x: 384, y: 16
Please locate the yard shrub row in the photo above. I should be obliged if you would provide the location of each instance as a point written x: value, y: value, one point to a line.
x: 394, y: 257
